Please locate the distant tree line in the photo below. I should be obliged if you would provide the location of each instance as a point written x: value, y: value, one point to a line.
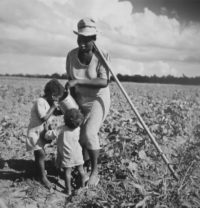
x: 169, y: 79
x: 48, y: 76
x: 183, y: 80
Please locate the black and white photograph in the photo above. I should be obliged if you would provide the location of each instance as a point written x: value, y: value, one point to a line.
x: 99, y: 103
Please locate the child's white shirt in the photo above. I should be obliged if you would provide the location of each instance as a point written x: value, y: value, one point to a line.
x: 35, y: 127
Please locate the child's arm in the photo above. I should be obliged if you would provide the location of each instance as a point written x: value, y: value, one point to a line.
x: 49, y: 112
x: 42, y: 107
x: 58, y: 111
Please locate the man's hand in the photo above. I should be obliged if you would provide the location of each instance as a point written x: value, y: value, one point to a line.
x: 71, y: 83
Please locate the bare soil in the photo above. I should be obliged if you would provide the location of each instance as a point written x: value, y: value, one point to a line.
x: 131, y: 170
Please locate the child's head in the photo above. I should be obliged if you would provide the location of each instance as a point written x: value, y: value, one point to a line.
x: 73, y: 118
x: 53, y: 90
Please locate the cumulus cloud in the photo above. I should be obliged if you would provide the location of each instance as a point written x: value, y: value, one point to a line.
x: 161, y: 68
x: 151, y: 42
x: 28, y: 64
x: 158, y: 68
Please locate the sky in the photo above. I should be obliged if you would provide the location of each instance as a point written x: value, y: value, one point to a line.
x: 145, y: 37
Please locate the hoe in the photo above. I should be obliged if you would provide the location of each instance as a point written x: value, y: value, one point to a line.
x: 107, y: 65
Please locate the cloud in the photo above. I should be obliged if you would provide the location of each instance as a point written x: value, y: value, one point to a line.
x: 28, y: 64
x: 150, y: 41
x: 158, y: 68
x: 161, y: 68
x: 163, y: 11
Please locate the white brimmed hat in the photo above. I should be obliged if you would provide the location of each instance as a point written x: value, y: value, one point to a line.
x: 86, y: 27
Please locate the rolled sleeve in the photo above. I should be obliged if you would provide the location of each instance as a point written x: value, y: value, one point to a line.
x: 42, y: 107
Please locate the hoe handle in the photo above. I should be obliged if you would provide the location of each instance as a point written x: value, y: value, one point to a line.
x: 136, y: 112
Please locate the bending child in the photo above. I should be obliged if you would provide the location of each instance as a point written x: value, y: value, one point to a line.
x: 69, y: 151
x: 41, y: 114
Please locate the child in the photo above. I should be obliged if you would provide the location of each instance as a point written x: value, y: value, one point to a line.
x: 69, y: 151
x: 41, y: 114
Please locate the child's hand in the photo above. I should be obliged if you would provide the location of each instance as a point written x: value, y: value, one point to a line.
x: 50, y: 136
x: 56, y: 103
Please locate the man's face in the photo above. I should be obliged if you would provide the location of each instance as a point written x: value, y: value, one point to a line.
x: 85, y: 43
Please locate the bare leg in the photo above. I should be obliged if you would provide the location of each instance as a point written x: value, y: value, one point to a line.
x: 86, y: 157
x: 89, y: 137
x: 68, y: 180
x: 40, y: 167
x: 84, y: 177
x: 93, y: 180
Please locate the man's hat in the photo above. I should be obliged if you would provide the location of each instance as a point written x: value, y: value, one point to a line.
x: 86, y: 27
